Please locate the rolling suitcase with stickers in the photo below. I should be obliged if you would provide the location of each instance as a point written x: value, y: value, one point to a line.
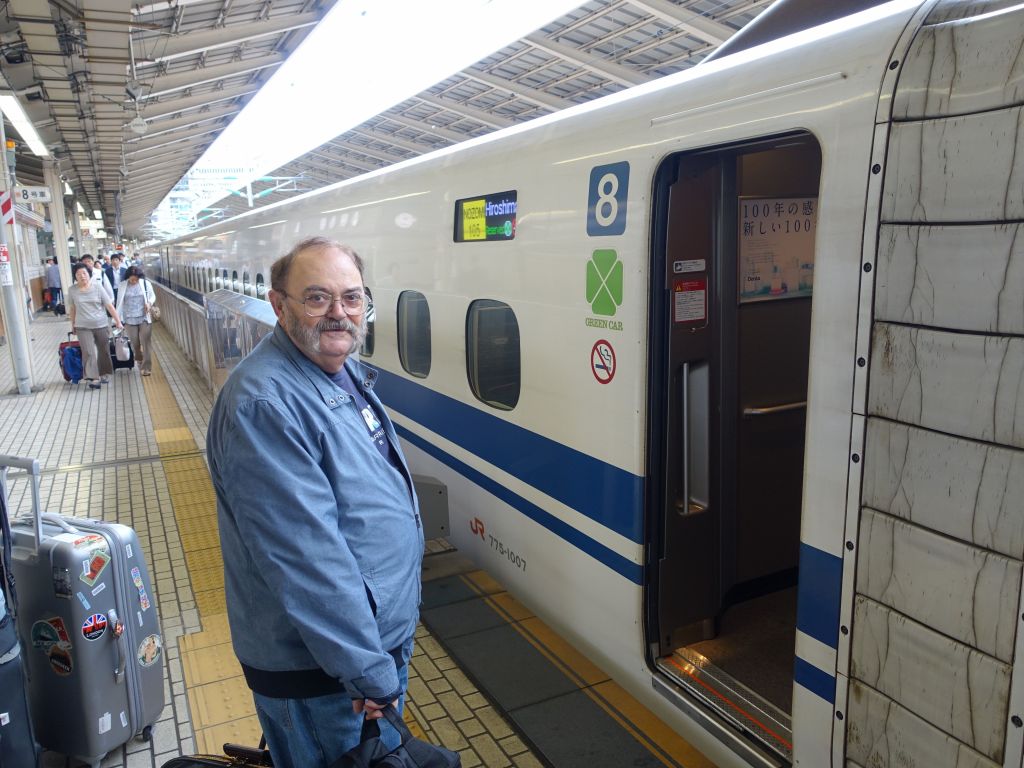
x: 89, y: 629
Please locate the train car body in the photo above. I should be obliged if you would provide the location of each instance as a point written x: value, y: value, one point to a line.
x: 722, y: 374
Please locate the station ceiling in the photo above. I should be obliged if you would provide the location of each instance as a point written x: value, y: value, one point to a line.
x: 128, y: 97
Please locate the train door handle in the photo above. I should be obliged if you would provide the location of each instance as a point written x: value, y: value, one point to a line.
x: 688, y: 505
x: 768, y: 410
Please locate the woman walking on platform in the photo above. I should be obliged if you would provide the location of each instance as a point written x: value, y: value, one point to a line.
x: 134, y: 302
x: 88, y: 305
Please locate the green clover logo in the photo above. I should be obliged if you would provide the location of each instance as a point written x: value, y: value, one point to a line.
x: 604, y: 282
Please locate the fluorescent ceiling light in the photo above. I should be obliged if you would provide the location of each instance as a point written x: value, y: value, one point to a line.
x: 81, y: 210
x: 67, y: 189
x: 364, y: 57
x: 97, y: 215
x: 10, y: 106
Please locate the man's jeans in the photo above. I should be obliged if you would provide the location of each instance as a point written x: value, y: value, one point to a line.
x: 314, y: 733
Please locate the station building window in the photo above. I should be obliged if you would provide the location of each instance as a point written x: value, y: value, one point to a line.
x: 492, y: 353
x: 414, y: 333
x: 261, y: 288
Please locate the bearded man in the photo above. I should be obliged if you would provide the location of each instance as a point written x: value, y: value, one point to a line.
x: 319, y: 525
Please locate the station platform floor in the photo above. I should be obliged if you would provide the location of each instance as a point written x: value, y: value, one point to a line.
x: 488, y: 678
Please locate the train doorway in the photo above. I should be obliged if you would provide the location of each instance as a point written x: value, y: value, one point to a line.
x: 731, y: 294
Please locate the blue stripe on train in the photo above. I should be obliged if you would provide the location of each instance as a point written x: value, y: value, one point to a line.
x: 821, y: 583
x: 815, y: 680
x: 598, y: 551
x: 604, y: 493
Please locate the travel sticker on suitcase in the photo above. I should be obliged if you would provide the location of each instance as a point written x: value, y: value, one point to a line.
x: 93, y: 568
x: 143, y: 597
x: 51, y: 637
x: 149, y: 651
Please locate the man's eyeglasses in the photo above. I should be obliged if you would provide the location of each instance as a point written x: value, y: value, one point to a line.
x: 318, y: 304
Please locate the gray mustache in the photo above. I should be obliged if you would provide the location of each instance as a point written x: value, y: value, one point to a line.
x: 337, y: 325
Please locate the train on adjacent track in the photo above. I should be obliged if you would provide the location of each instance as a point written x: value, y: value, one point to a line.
x: 724, y: 375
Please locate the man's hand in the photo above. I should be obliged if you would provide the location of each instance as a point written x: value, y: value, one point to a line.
x: 373, y: 710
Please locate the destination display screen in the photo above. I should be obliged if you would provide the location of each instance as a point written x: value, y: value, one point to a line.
x: 486, y: 217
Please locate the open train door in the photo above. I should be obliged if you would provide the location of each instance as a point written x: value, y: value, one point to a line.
x: 732, y: 277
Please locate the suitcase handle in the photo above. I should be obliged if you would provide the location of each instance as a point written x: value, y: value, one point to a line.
x: 117, y: 630
x: 60, y: 522
x: 31, y: 466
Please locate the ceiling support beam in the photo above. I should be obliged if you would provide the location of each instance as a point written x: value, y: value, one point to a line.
x: 172, y: 105
x: 520, y: 91
x: 606, y: 69
x: 692, y: 23
x: 479, y: 115
x: 155, y: 49
x: 182, y: 80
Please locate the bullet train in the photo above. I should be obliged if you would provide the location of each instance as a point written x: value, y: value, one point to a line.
x: 724, y: 376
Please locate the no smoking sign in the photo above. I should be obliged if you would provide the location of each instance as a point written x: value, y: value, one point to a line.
x: 602, y: 361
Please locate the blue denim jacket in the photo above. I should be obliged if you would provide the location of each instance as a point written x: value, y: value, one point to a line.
x: 320, y: 534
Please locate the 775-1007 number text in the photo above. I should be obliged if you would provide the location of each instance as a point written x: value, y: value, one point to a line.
x: 517, y: 560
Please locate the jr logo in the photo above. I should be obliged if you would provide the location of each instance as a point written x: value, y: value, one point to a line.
x: 476, y: 525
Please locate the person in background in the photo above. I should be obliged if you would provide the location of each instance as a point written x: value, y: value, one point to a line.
x: 97, y: 277
x: 318, y: 518
x: 88, y: 306
x: 114, y: 273
x: 53, y: 282
x: 134, y: 300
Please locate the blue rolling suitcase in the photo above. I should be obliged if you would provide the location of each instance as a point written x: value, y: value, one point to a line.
x: 89, y: 629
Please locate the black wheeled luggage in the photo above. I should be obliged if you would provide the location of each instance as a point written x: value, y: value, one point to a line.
x: 121, y: 353
x: 88, y: 624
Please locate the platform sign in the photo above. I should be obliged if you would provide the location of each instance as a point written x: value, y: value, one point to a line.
x: 32, y: 194
x: 5, y: 266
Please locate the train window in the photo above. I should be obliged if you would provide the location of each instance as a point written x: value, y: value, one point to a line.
x: 370, y: 319
x: 235, y: 285
x: 261, y: 289
x: 224, y: 279
x: 246, y: 286
x: 209, y: 279
x: 492, y: 353
x: 414, y: 333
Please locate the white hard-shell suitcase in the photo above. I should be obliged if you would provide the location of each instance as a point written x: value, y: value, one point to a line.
x: 88, y: 623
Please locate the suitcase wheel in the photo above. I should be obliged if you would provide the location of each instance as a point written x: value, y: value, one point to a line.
x: 147, y: 733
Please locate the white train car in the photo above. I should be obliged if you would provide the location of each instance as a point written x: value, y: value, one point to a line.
x: 724, y: 376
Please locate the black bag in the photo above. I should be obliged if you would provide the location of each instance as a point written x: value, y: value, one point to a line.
x: 18, y: 746
x: 236, y: 756
x: 59, y: 309
x: 413, y: 752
